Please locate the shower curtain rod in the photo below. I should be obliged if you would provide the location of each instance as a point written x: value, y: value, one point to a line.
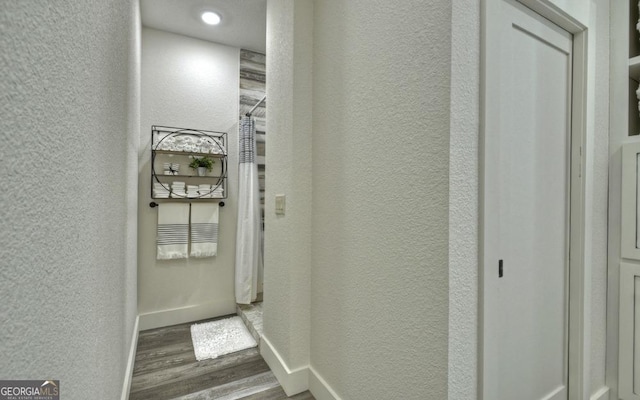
x: 256, y: 106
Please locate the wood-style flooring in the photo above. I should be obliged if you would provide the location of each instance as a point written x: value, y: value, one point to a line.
x: 166, y: 368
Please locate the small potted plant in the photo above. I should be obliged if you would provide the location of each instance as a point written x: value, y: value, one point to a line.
x: 202, y: 165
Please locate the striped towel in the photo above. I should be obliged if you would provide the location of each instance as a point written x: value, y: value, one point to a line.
x: 204, y: 229
x: 173, y: 231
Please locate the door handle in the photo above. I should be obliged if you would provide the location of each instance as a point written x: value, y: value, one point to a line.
x: 500, y: 269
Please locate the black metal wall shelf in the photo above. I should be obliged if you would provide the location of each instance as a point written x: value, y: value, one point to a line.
x: 191, y: 153
x: 178, y: 146
x: 190, y: 176
x: 153, y: 204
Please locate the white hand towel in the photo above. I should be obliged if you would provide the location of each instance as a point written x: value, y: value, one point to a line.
x: 173, y: 231
x: 204, y: 230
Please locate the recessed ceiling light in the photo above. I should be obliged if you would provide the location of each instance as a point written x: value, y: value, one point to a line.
x: 210, y: 18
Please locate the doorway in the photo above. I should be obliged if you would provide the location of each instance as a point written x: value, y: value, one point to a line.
x: 531, y: 208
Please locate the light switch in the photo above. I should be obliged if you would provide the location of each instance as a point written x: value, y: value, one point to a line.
x: 280, y: 204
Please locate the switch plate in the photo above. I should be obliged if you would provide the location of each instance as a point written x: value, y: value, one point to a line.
x: 280, y: 201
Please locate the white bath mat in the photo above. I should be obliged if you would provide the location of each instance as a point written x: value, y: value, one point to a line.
x: 216, y: 338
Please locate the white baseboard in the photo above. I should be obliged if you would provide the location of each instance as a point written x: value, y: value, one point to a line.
x: 175, y: 316
x: 293, y: 382
x: 319, y: 388
x: 128, y: 373
x: 602, y: 394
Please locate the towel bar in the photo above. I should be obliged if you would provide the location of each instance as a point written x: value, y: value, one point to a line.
x: 153, y: 204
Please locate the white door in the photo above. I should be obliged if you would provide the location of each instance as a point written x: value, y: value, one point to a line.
x: 527, y: 144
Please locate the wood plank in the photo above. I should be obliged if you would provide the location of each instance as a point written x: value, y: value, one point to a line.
x: 278, y: 393
x: 179, y: 373
x: 237, y: 389
x: 157, y: 342
x: 196, y: 380
x: 169, y: 356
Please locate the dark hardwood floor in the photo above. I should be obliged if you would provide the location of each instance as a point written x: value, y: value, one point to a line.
x: 165, y: 368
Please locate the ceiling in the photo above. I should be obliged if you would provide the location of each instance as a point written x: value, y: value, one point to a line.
x: 244, y: 22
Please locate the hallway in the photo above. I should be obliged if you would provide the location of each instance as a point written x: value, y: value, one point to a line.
x: 376, y: 124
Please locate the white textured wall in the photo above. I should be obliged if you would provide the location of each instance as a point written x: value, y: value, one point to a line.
x: 68, y: 105
x: 186, y: 83
x: 463, y: 200
x: 288, y: 237
x: 379, y: 280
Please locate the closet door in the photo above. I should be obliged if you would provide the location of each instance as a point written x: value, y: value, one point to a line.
x: 527, y: 176
x: 629, y: 356
x: 629, y: 322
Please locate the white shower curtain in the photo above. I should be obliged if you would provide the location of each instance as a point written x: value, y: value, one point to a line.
x: 249, y: 234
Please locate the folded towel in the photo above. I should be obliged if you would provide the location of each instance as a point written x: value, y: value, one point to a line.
x: 204, y: 230
x: 173, y: 231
